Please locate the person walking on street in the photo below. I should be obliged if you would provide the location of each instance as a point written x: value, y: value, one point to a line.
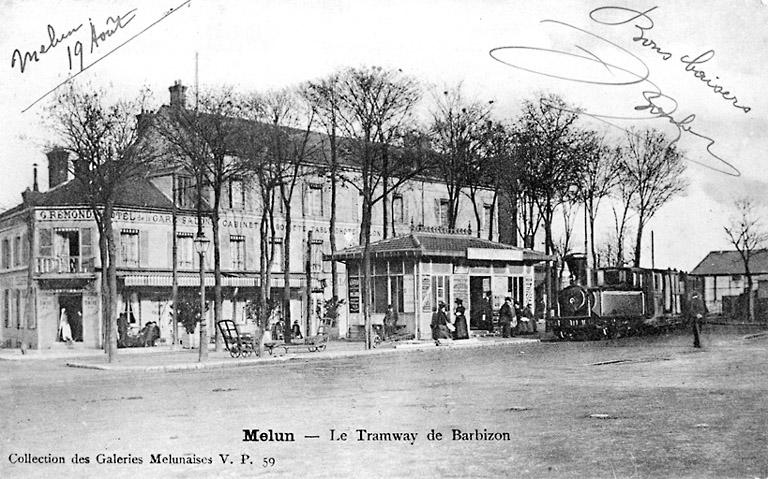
x: 460, y: 321
x: 390, y: 322
x: 528, y: 313
x: 507, y: 317
x: 697, y: 311
x: 439, y: 324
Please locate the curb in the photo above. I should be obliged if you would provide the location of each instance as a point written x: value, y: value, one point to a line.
x: 239, y: 363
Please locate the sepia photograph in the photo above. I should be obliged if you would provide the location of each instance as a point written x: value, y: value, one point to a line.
x: 338, y: 238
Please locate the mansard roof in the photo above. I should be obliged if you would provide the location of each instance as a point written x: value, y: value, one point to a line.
x: 139, y: 192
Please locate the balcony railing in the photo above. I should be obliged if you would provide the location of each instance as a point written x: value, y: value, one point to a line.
x: 64, y: 264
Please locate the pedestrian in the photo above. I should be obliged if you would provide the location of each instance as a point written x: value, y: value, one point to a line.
x: 696, y: 311
x: 488, y: 312
x: 460, y: 321
x: 528, y: 313
x: 390, y: 322
x: 507, y: 317
x: 523, y: 325
x: 65, y: 331
x: 439, y: 324
x: 296, y: 330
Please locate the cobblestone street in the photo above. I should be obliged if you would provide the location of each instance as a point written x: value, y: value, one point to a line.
x: 662, y: 410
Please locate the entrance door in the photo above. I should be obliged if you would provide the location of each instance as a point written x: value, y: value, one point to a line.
x: 72, y: 305
x: 478, y: 285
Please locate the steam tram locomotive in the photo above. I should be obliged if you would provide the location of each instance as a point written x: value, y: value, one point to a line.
x: 621, y: 301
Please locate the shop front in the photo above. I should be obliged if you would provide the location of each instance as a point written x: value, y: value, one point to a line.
x: 413, y: 273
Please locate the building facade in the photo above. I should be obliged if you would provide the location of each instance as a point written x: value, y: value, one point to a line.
x: 724, y: 280
x: 50, y: 264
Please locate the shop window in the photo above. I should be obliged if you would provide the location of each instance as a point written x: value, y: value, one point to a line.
x: 515, y: 286
x: 396, y: 293
x: 380, y: 294
x: 441, y: 290
x: 237, y: 251
x: 129, y: 247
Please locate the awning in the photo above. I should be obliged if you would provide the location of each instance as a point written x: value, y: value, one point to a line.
x: 193, y: 279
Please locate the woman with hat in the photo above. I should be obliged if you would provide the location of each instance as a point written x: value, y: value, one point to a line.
x: 460, y: 321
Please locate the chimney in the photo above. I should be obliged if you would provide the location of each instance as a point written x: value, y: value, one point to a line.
x: 35, y: 188
x: 58, y: 163
x: 178, y: 95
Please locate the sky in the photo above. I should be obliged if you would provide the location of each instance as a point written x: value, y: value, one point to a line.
x: 258, y: 45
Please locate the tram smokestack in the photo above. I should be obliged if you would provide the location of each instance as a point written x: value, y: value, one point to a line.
x: 577, y: 265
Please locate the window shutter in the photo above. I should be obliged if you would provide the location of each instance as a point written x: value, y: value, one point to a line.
x: 251, y: 253
x: 170, y: 249
x: 304, y: 199
x: 86, y: 249
x: 406, y: 210
x: 224, y: 249
x: 437, y: 212
x: 143, y: 248
x: 46, y: 242
x: 25, y: 247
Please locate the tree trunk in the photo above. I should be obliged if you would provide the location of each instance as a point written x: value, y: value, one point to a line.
x: 111, y: 319
x: 217, y: 299
x: 287, y: 271
x: 365, y: 232
x: 332, y: 227
x: 175, y: 272
x: 639, y: 242
x: 105, y: 307
x: 750, y: 296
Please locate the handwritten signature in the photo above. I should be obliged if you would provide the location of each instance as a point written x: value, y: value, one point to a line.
x: 655, y: 105
x: 99, y: 36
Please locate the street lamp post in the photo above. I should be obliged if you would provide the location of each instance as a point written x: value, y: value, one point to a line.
x: 201, y: 246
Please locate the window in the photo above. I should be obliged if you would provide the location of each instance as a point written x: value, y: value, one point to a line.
x: 315, y: 200
x: 129, y: 247
x: 67, y: 249
x: 397, y: 209
x: 184, y: 251
x: 185, y: 192
x: 17, y: 251
x: 316, y: 255
x: 17, y: 309
x: 6, y: 254
x: 487, y: 216
x: 237, y: 251
x: 236, y: 194
x: 7, y: 308
x: 441, y: 290
x: 515, y: 286
x: 442, y: 216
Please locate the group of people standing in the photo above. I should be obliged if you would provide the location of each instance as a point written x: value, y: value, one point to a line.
x: 454, y: 328
x: 515, y: 320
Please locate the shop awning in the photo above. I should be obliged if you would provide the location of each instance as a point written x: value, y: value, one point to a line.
x: 192, y: 279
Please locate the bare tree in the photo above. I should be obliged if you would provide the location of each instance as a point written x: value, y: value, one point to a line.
x: 200, y: 140
x: 598, y: 179
x: 747, y: 234
x: 457, y: 131
x: 563, y: 244
x: 289, y: 122
x: 655, y: 169
x: 376, y: 107
x: 110, y: 150
x: 324, y: 98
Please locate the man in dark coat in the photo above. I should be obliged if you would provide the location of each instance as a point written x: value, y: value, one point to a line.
x: 506, y: 317
x: 697, y: 310
x: 439, y: 324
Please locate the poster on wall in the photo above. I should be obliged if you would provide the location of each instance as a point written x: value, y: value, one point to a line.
x: 354, y: 295
x: 426, y: 294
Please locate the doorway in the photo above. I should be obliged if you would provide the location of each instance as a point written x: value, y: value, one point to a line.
x: 72, y: 306
x: 478, y: 285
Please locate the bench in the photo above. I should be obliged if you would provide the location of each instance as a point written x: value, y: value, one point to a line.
x: 238, y: 344
x: 313, y: 344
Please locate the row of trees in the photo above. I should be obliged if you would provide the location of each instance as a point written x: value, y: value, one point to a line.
x: 539, y: 163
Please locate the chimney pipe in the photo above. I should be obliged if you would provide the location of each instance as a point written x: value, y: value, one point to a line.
x: 34, y: 178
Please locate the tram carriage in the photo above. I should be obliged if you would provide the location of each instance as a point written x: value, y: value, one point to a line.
x: 619, y: 301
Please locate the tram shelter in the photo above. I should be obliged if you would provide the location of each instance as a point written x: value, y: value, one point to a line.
x: 414, y: 272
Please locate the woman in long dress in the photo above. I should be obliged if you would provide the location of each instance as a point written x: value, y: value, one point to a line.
x: 65, y: 331
x: 460, y: 322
